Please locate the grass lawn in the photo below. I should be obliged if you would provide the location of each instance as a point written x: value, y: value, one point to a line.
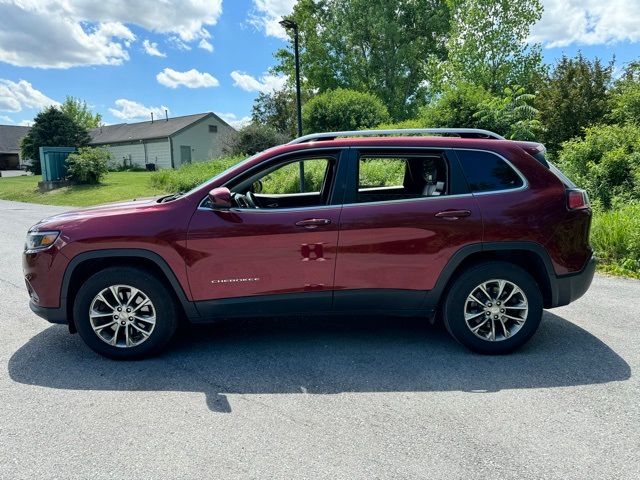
x: 115, y: 186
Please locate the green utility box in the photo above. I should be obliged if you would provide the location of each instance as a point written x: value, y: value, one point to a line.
x: 54, y: 166
x: 54, y: 162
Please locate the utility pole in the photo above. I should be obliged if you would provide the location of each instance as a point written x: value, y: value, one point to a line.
x: 291, y: 25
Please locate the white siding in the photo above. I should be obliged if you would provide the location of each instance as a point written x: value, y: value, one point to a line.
x: 157, y: 151
x: 205, y: 145
x: 129, y: 152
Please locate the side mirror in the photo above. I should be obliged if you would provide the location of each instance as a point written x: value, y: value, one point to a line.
x: 220, y: 198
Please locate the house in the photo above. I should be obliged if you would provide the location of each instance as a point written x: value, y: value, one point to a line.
x: 10, y: 137
x: 166, y: 142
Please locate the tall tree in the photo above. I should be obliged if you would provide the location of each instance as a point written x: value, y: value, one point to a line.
x: 377, y: 46
x: 573, y: 97
x: 277, y: 110
x: 51, y: 128
x: 79, y: 112
x: 487, y: 45
x: 625, y: 96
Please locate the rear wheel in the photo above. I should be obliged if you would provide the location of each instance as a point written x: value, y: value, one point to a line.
x: 493, y: 308
x: 125, y: 313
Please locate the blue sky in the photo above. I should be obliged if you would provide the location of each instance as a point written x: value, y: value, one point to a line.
x: 129, y: 58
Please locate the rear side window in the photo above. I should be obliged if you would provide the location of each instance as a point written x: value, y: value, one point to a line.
x: 486, y: 172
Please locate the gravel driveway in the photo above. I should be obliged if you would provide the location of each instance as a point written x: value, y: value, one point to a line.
x: 299, y: 398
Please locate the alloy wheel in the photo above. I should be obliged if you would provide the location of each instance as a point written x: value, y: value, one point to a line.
x: 122, y: 316
x: 496, y: 310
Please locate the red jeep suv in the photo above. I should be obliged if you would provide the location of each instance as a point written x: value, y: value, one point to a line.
x: 453, y: 223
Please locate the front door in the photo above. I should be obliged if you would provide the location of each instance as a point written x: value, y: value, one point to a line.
x: 275, y: 250
x: 185, y: 154
x: 406, y: 212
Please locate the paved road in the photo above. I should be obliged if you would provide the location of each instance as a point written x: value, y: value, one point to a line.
x: 310, y: 399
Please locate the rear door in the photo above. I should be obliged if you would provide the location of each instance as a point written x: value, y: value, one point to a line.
x: 406, y: 212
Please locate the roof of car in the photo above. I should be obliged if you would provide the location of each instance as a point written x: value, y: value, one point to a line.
x: 406, y: 141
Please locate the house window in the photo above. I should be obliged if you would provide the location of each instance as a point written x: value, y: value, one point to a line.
x: 213, y: 129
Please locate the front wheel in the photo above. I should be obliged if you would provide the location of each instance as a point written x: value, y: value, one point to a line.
x: 125, y: 313
x: 493, y: 308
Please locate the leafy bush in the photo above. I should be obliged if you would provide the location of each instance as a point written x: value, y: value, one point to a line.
x: 456, y: 107
x: 252, y: 139
x: 625, y: 96
x: 191, y: 175
x: 343, y: 109
x: 511, y: 115
x: 615, y: 237
x: 88, y: 165
x: 606, y: 163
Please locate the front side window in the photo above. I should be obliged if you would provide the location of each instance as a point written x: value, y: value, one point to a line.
x: 286, y: 179
x: 390, y: 177
x: 486, y: 172
x: 280, y: 185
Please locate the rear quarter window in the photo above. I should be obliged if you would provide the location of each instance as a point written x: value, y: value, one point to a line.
x: 486, y: 172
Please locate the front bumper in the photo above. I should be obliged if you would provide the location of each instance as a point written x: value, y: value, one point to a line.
x: 569, y: 288
x: 52, y: 315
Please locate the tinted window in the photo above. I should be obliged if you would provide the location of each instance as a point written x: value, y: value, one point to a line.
x: 487, y: 172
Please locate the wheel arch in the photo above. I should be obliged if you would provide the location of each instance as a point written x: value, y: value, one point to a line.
x: 530, y: 256
x: 85, y: 264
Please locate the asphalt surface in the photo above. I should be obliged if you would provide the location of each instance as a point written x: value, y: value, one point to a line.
x: 345, y: 398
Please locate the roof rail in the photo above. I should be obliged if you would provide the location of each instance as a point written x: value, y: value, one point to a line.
x: 461, y: 132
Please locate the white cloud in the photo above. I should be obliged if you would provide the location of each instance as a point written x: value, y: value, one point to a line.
x: 178, y: 43
x: 64, y: 33
x: 587, y: 22
x: 130, y: 110
x: 190, y: 79
x: 233, y: 120
x: 16, y: 96
x: 25, y: 123
x: 268, y: 14
x: 267, y: 83
x: 151, y: 48
x: 205, y: 45
x: 5, y: 119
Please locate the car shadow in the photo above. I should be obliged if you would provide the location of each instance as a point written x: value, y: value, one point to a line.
x: 322, y: 356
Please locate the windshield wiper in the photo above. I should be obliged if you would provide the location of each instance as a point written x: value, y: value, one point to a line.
x: 169, y: 198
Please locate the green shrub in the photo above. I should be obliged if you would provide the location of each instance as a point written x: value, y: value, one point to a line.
x: 191, y: 175
x: 456, y: 107
x: 606, y: 163
x: 615, y: 237
x: 342, y: 109
x: 511, y: 115
x: 252, y: 139
x: 88, y: 165
x: 411, y: 123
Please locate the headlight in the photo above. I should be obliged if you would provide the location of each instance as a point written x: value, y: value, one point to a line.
x: 40, y: 240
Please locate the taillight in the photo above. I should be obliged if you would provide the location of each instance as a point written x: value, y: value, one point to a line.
x: 577, y: 199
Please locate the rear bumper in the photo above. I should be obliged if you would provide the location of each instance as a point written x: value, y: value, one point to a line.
x: 52, y: 315
x: 569, y: 288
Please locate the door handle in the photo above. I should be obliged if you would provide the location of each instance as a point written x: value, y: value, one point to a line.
x: 453, y: 214
x: 313, y: 222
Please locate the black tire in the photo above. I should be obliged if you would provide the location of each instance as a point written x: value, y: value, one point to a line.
x: 463, y: 286
x: 166, y: 312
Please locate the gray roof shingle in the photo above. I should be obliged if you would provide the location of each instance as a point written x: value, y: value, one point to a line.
x: 128, y: 132
x: 10, y: 136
